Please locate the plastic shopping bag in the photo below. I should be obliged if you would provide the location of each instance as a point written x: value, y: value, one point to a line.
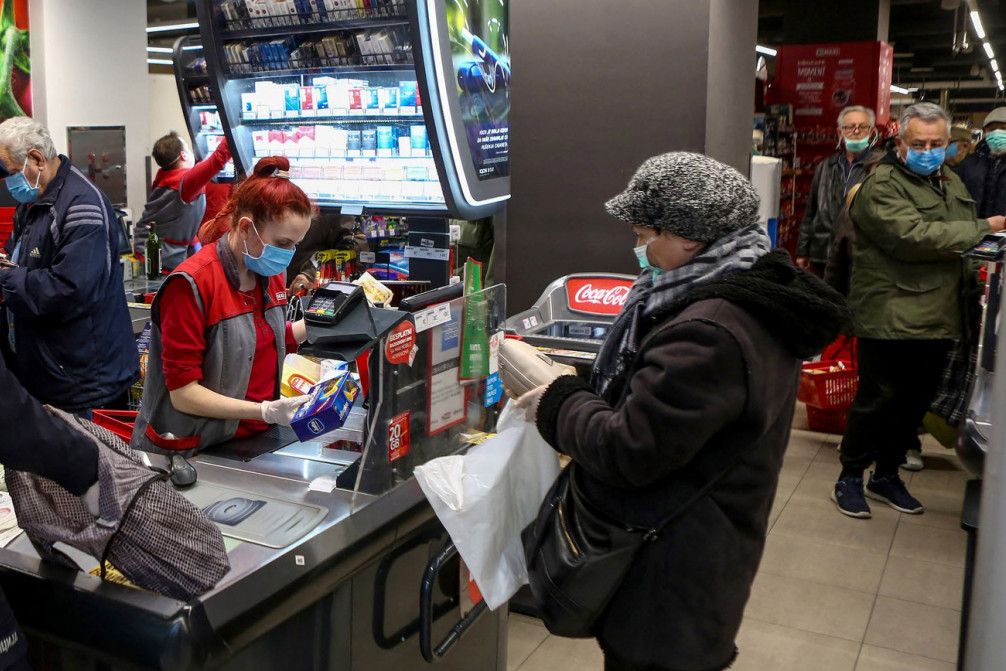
x: 485, y: 498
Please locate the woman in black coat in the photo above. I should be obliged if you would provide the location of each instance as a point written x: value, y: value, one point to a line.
x: 35, y: 441
x: 700, y: 371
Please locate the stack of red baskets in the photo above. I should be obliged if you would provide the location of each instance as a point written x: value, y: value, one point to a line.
x: 828, y: 387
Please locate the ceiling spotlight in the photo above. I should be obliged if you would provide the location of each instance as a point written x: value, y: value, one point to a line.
x: 768, y: 51
x: 988, y: 49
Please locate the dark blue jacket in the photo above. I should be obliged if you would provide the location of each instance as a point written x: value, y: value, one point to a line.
x: 985, y: 177
x: 73, y: 339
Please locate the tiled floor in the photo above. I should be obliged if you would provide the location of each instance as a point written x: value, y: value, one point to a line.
x: 832, y: 593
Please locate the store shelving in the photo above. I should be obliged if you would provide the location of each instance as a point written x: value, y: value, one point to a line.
x: 347, y: 90
x: 199, y: 106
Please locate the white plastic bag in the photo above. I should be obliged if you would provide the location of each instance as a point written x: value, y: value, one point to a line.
x: 486, y: 497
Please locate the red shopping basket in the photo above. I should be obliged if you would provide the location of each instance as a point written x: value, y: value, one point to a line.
x: 827, y: 421
x: 119, y: 422
x: 826, y: 389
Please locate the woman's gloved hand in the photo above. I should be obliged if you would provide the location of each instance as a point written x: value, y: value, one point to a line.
x: 282, y: 410
x: 529, y: 402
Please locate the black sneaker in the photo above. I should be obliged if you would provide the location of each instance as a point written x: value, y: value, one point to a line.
x: 848, y: 496
x: 891, y: 490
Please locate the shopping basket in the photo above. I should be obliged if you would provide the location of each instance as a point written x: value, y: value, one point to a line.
x: 827, y: 421
x: 826, y: 389
x: 119, y: 422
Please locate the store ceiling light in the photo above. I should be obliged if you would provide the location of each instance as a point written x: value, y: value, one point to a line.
x: 988, y: 49
x: 167, y: 27
x: 976, y: 21
x: 768, y: 51
x: 159, y: 50
x: 995, y: 66
x: 901, y: 90
x: 158, y: 61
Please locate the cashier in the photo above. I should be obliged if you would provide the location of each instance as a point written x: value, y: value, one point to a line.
x: 218, y: 324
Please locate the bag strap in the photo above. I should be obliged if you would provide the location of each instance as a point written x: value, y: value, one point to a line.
x: 653, y: 533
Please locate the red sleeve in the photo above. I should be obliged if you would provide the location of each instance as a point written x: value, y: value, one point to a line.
x: 196, y: 179
x: 291, y: 343
x: 184, y: 341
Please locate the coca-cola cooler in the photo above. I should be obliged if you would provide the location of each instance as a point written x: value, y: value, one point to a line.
x: 573, y: 315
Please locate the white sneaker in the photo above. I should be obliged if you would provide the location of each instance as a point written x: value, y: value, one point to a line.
x: 913, y: 461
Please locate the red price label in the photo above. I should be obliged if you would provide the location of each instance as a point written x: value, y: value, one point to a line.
x: 399, y: 344
x: 398, y: 437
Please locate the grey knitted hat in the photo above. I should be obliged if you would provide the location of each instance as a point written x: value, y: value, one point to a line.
x: 690, y: 195
x: 996, y: 115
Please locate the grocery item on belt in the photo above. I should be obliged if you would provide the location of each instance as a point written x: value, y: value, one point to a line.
x: 522, y: 367
x: 330, y: 403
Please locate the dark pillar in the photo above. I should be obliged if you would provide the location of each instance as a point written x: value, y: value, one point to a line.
x: 606, y: 85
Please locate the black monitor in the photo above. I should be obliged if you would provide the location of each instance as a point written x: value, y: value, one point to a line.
x: 125, y: 246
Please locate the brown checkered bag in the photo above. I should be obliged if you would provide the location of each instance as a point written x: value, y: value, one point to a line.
x: 146, y: 530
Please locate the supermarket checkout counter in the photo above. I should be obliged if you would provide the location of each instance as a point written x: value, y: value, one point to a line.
x: 359, y: 577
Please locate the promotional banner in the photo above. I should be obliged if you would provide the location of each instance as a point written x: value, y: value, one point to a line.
x: 480, y: 51
x: 15, y: 66
x: 821, y: 79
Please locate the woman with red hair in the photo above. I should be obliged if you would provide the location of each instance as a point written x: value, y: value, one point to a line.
x: 218, y: 324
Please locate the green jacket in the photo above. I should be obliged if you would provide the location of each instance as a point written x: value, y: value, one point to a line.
x: 907, y: 274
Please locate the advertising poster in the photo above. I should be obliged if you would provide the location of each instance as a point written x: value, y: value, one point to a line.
x: 446, y: 404
x: 821, y: 79
x: 480, y: 53
x: 15, y: 68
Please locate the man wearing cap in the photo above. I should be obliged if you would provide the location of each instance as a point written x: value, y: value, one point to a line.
x: 833, y: 178
x: 698, y: 374
x: 65, y: 330
x: 984, y: 171
x: 959, y: 148
x: 913, y: 218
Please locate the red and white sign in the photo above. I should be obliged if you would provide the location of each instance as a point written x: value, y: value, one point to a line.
x: 597, y: 295
x: 398, y: 437
x: 401, y: 340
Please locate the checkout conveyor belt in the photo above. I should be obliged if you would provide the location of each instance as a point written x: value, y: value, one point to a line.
x: 277, y: 594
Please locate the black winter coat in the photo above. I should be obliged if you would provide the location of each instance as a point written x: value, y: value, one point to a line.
x: 715, y: 381
x: 985, y: 177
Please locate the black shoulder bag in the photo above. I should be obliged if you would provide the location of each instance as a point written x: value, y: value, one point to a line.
x: 577, y: 559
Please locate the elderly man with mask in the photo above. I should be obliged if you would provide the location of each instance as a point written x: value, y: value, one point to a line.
x: 913, y: 218
x: 984, y: 171
x: 65, y: 330
x: 959, y: 148
x: 833, y: 179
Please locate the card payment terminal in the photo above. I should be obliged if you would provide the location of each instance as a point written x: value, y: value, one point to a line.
x: 333, y: 302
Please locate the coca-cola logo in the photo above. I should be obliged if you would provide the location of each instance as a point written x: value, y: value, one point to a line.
x: 597, y: 295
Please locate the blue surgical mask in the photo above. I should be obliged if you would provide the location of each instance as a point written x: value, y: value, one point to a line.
x: 952, y: 150
x: 857, y: 146
x: 644, y: 261
x: 925, y: 162
x: 272, y: 261
x: 996, y: 140
x: 19, y: 188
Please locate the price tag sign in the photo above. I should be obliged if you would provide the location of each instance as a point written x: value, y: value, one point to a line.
x: 494, y: 389
x: 431, y: 253
x: 368, y: 257
x: 398, y: 437
x: 434, y: 316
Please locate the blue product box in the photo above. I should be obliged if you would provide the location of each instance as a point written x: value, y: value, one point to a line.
x: 407, y: 94
x: 385, y: 137
x: 292, y: 98
x: 327, y: 408
x: 369, y: 139
x: 418, y: 137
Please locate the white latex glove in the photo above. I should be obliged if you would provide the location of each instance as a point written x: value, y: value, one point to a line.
x: 282, y: 410
x: 90, y: 499
x: 529, y: 402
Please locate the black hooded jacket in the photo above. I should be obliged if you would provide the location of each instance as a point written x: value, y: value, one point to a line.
x: 715, y: 382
